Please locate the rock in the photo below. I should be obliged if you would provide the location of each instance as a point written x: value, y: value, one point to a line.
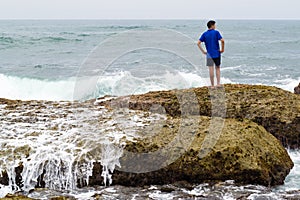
x: 188, y: 150
x: 278, y: 111
x: 297, y: 89
x: 15, y: 197
x: 62, y: 198
x: 245, y: 152
x: 21, y: 197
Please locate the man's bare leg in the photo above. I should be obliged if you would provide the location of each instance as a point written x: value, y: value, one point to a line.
x: 212, y: 76
x: 218, y: 74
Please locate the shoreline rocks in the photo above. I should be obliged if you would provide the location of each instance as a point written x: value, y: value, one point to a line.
x: 297, y: 89
x: 182, y: 146
x: 278, y: 111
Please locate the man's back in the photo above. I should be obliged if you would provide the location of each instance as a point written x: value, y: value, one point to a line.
x: 211, y: 39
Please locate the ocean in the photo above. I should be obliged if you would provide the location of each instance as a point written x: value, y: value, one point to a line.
x: 48, y: 59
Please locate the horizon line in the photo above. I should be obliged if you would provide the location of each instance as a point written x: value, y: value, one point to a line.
x: 148, y: 19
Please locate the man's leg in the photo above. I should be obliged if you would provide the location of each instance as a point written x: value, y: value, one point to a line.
x: 218, y: 74
x: 211, y: 75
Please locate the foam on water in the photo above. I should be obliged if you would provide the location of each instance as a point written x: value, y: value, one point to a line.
x: 230, y: 68
x: 117, y: 84
x: 35, y: 89
x: 292, y: 181
x: 158, y: 195
x: 223, y: 190
x: 61, y: 142
x: 110, y: 155
x: 124, y: 83
x: 287, y: 84
x: 4, y: 190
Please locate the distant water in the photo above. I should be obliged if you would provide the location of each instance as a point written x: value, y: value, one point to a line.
x: 41, y: 59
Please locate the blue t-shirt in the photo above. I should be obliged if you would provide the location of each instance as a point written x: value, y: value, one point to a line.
x: 211, y: 39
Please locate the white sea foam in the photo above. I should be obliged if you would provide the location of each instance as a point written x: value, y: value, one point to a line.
x: 287, y: 84
x: 230, y: 68
x: 34, y: 89
x: 118, y: 84
x: 270, y: 196
x: 4, y: 190
x: 124, y: 83
x: 226, y: 190
x: 158, y: 195
x: 292, y: 181
x: 63, y: 142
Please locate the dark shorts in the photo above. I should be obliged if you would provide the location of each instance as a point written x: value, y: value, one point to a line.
x: 210, y: 62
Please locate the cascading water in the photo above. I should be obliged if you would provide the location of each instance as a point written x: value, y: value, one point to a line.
x: 110, y: 155
x: 55, y: 144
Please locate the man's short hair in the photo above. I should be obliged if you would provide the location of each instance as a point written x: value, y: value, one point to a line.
x: 211, y: 23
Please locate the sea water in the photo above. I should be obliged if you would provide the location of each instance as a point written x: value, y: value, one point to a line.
x: 40, y: 60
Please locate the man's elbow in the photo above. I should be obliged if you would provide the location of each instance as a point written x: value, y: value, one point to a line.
x: 199, y: 43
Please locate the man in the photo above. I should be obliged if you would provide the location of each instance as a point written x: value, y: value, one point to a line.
x: 213, y: 52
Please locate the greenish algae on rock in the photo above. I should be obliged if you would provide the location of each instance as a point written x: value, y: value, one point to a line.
x: 245, y: 152
x: 15, y: 197
x: 278, y: 111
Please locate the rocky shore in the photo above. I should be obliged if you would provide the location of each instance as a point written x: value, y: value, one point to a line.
x: 195, y: 135
x: 277, y: 110
x: 297, y: 89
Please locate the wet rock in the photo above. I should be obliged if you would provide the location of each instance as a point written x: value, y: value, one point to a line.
x: 15, y: 197
x: 183, y: 147
x: 297, y: 89
x: 4, y: 180
x: 244, y: 152
x: 167, y: 189
x: 62, y: 198
x: 278, y: 111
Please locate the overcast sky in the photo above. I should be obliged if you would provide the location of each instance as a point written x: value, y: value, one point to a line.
x: 150, y: 9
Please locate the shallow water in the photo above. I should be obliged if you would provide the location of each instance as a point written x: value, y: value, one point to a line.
x: 223, y: 190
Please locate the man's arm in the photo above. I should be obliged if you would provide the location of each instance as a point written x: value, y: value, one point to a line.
x: 201, y: 48
x: 222, y: 45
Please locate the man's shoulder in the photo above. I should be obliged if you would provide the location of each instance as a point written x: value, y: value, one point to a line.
x: 218, y: 32
x: 207, y: 32
x: 204, y: 33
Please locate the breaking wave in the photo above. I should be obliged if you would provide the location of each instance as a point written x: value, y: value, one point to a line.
x: 119, y: 84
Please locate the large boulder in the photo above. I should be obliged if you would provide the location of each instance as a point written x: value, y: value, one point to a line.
x: 297, y: 89
x: 277, y: 110
x: 190, y: 147
x: 243, y: 151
